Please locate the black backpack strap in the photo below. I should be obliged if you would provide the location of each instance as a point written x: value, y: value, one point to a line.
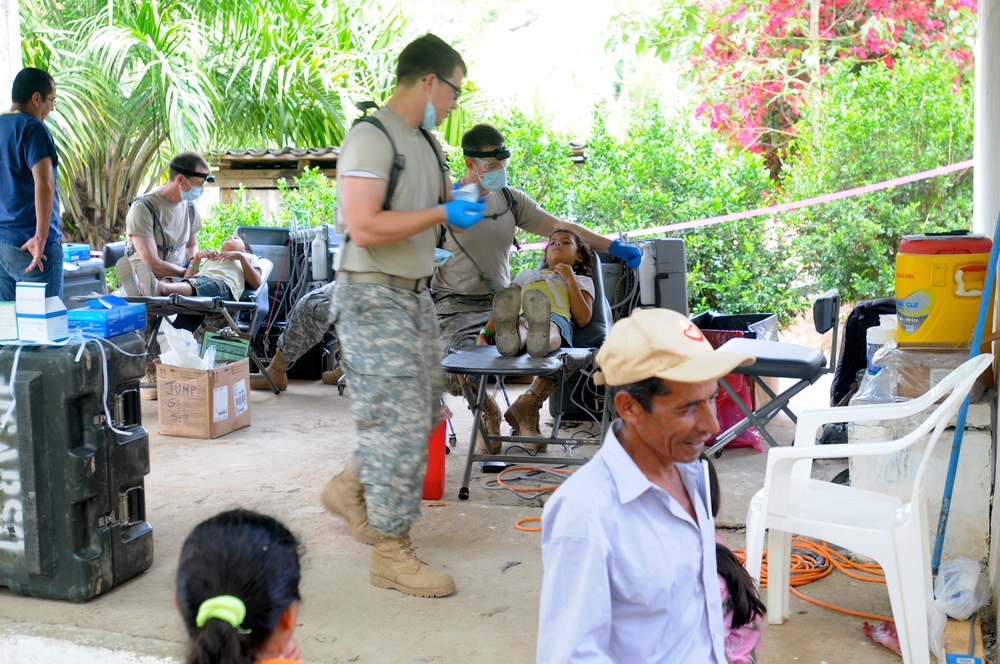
x: 398, y: 160
x: 156, y: 224
x: 510, y: 201
x: 442, y: 165
x: 512, y: 206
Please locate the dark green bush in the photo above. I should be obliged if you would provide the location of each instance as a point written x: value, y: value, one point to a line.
x: 669, y: 169
x: 875, y: 125
x: 312, y: 201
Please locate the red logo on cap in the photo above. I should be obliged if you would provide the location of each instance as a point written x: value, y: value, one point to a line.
x: 692, y: 332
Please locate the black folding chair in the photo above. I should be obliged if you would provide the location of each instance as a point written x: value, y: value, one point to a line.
x: 780, y: 360
x: 486, y: 361
x: 244, y: 315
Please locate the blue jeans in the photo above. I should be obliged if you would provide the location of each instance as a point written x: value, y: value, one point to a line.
x: 210, y: 287
x: 14, y: 262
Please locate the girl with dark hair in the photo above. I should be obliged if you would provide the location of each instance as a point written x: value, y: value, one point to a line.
x: 238, y: 590
x: 552, y: 298
x: 225, y: 273
x: 742, y: 608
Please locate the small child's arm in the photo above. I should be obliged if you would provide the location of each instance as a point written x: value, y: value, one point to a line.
x: 581, y: 305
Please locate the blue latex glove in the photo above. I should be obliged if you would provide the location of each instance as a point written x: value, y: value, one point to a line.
x: 463, y: 214
x: 631, y: 255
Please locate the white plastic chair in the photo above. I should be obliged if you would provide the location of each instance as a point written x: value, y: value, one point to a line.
x: 891, y: 531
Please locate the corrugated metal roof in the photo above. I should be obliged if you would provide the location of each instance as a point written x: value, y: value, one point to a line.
x: 331, y: 152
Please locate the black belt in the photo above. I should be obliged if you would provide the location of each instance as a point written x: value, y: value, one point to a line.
x: 382, y: 279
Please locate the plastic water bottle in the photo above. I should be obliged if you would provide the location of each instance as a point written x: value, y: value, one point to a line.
x: 468, y: 193
x: 320, y: 259
x: 876, y: 337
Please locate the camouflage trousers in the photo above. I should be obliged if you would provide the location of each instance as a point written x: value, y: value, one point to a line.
x: 391, y: 354
x: 308, y: 321
x: 461, y: 318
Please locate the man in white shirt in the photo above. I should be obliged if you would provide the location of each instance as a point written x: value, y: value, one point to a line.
x: 628, y: 541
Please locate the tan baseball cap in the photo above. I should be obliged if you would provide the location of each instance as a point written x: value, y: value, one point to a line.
x: 661, y: 343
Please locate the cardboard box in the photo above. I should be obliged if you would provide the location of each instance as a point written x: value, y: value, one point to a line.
x: 919, y: 371
x: 196, y: 403
x: 8, y: 321
x: 52, y: 325
x: 75, y: 252
x: 108, y: 316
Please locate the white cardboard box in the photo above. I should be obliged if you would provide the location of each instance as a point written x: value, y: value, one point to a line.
x: 30, y: 298
x: 51, y: 325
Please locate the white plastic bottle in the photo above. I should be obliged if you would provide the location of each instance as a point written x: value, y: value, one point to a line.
x: 320, y: 259
x: 647, y: 275
x: 876, y: 337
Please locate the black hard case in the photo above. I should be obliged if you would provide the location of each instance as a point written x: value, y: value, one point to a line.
x: 72, y: 509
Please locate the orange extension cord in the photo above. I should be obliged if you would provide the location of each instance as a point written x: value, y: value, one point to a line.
x: 804, y: 570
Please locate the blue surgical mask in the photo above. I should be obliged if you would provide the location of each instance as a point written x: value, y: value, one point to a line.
x: 430, y: 116
x: 192, y: 194
x: 494, y: 180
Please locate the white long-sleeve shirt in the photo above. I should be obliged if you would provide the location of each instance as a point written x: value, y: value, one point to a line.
x: 629, y: 576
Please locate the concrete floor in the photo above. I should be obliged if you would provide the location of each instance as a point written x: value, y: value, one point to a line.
x: 278, y: 465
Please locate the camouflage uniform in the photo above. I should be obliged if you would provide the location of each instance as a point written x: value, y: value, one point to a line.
x: 309, y: 320
x: 391, y: 356
x: 461, y: 318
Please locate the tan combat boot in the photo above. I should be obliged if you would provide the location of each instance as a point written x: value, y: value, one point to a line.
x: 522, y: 416
x: 491, y: 420
x: 344, y: 495
x: 394, y: 564
x: 276, y: 369
x: 147, y: 387
x: 332, y: 377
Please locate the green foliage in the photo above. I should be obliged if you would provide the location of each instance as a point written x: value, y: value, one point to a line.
x: 875, y: 125
x: 225, y: 218
x: 311, y: 201
x: 667, y: 170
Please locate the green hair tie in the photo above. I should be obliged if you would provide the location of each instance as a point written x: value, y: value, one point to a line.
x: 226, y: 608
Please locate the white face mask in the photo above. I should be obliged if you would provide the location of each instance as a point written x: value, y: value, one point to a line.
x: 494, y: 180
x: 192, y: 194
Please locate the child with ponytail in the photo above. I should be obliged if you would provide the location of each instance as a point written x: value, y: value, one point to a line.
x: 238, y: 590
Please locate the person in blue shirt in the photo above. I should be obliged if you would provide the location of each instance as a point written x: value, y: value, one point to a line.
x: 29, y: 197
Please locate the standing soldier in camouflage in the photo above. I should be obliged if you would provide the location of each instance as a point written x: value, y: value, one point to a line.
x: 463, y: 288
x: 383, y: 311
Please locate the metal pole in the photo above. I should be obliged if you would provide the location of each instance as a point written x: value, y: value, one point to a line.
x: 956, y: 447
